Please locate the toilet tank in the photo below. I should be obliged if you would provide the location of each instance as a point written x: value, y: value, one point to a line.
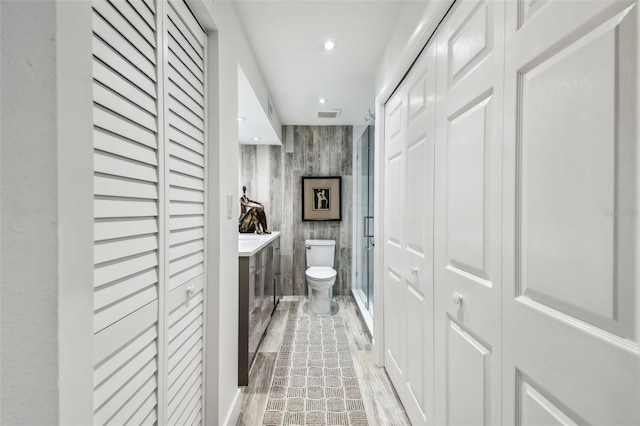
x: 320, y: 252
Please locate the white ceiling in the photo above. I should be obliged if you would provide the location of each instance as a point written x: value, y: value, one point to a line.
x: 286, y: 38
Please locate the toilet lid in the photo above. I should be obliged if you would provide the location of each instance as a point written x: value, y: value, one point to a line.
x: 321, y: 272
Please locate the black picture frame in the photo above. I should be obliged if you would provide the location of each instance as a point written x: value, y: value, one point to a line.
x: 322, y: 198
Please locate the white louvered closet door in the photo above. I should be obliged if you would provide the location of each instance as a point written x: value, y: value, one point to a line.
x: 185, y: 160
x: 149, y: 212
x: 126, y: 210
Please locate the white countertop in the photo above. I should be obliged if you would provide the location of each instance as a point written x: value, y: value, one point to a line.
x: 250, y: 244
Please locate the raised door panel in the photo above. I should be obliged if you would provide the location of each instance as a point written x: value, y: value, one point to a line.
x: 563, y: 197
x: 468, y: 182
x: 394, y: 166
x: 419, y: 350
x: 394, y: 183
x: 569, y: 225
x: 468, y: 233
x: 471, y: 42
x: 537, y: 407
x: 394, y: 115
x: 394, y: 325
x: 417, y: 215
x: 468, y: 378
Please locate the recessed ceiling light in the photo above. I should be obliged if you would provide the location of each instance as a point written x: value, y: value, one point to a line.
x: 322, y: 100
x: 256, y: 139
x: 329, y: 45
x: 241, y: 119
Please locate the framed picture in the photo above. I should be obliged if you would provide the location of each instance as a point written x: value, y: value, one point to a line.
x: 322, y: 198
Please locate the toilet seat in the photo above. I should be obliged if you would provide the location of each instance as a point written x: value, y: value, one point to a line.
x: 321, y: 273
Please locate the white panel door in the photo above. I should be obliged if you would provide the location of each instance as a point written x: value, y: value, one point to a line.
x: 409, y: 161
x: 570, y: 341
x: 467, y: 214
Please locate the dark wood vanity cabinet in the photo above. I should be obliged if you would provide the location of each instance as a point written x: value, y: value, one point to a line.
x: 259, y: 293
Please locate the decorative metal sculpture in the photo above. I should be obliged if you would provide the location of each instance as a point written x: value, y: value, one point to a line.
x: 252, y: 216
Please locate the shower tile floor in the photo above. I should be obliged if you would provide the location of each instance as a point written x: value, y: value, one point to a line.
x: 283, y: 392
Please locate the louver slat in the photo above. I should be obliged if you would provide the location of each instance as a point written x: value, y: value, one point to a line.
x: 184, y: 85
x: 112, y: 37
x: 182, y: 17
x: 186, y: 141
x: 187, y: 168
x: 146, y: 13
x: 180, y: 208
x: 186, y: 235
x: 117, y: 145
x: 182, y: 277
x: 108, y: 55
x: 108, y: 230
x: 108, y: 120
x: 121, y: 166
x: 187, y: 56
x: 127, y: 10
x: 124, y: 87
x: 186, y: 100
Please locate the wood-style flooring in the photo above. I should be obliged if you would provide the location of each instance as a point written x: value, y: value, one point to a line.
x: 380, y: 400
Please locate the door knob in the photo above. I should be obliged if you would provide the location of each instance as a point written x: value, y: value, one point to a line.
x: 414, y: 269
x: 190, y: 290
x: 457, y: 297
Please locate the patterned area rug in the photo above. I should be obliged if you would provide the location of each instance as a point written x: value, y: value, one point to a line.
x: 314, y: 382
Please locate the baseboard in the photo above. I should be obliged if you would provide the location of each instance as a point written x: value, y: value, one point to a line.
x: 231, y: 419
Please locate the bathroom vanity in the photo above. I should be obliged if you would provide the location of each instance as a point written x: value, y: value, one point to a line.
x: 259, y: 293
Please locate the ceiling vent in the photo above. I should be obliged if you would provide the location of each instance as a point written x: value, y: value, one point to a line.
x: 332, y: 113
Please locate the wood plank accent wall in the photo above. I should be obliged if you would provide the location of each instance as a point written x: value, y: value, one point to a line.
x: 273, y: 174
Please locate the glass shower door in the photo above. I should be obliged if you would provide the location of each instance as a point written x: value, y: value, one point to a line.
x: 365, y: 226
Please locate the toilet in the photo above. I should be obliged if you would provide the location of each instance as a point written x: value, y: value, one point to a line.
x: 320, y: 274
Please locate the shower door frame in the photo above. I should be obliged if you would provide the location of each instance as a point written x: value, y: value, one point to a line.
x: 364, y: 223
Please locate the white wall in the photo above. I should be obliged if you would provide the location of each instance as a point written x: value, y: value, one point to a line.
x: 417, y: 20
x: 228, y: 49
x: 29, y: 217
x: 46, y: 222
